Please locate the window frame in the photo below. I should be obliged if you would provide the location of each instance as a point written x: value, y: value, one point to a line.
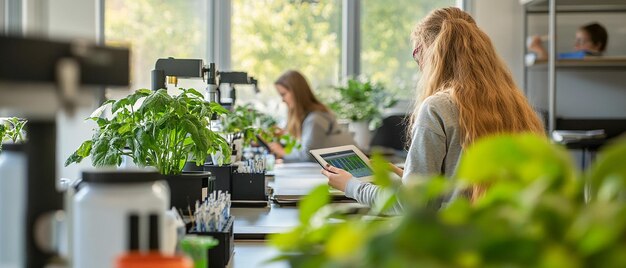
x: 350, y: 35
x: 219, y: 33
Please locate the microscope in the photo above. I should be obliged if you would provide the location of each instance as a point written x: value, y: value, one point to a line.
x: 170, y: 69
x: 40, y: 79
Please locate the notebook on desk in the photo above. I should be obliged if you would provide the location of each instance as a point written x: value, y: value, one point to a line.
x: 290, y: 191
x: 292, y: 199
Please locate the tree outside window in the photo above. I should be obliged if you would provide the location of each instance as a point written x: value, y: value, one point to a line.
x: 156, y: 29
x: 272, y: 36
x: 386, y: 50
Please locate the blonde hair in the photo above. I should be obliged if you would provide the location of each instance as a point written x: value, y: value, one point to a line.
x: 456, y: 56
x: 305, y: 101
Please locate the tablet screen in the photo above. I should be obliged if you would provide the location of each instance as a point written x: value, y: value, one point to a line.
x: 349, y: 161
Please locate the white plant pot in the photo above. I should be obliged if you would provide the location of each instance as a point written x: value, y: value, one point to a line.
x: 362, y: 134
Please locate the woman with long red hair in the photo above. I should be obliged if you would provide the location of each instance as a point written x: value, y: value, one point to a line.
x: 465, y: 92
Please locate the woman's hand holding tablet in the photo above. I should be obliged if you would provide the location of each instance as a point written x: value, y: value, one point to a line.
x: 337, y: 178
x: 342, y: 163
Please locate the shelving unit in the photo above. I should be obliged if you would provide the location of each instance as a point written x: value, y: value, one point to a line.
x: 590, y: 62
x: 542, y: 6
x: 552, y: 8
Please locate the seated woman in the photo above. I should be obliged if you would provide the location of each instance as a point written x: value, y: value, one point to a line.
x: 466, y: 92
x: 310, y: 121
x: 591, y: 40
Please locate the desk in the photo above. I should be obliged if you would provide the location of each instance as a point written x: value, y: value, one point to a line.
x: 254, y: 254
x: 256, y: 223
x: 252, y: 225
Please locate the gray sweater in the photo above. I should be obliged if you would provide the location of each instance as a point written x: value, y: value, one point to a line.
x: 435, y: 149
x: 319, y: 130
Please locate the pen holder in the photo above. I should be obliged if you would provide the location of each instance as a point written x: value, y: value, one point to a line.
x: 220, y: 255
x: 249, y: 186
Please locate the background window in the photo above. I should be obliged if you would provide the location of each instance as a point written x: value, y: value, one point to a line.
x: 156, y: 29
x: 386, y: 50
x: 272, y: 36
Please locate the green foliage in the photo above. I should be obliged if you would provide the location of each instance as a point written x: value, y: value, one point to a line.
x: 11, y: 129
x: 361, y: 101
x: 156, y: 29
x: 247, y: 122
x: 196, y: 247
x: 608, y: 178
x: 386, y: 49
x: 162, y: 132
x: 532, y: 214
x: 271, y: 36
x: 240, y: 122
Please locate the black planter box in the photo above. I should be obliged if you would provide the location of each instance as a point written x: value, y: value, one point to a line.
x: 241, y: 186
x: 223, y: 177
x: 249, y: 186
x: 220, y: 255
x: 187, y: 188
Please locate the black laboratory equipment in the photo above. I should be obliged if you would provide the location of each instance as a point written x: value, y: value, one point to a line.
x: 38, y: 80
x: 170, y: 69
x: 232, y: 79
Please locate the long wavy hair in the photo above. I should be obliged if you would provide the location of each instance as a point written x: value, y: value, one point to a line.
x: 305, y: 101
x: 456, y: 56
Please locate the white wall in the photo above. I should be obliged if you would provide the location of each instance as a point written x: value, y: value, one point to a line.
x: 65, y: 20
x: 79, y: 23
x: 71, y: 19
x: 502, y: 20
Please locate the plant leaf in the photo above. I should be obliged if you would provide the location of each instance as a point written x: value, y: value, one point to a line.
x: 157, y: 102
x: 311, y: 203
x: 216, y: 108
x: 119, y: 104
x: 194, y: 92
x: 609, y: 164
x: 99, y: 110
x: 138, y: 94
x: 99, y: 151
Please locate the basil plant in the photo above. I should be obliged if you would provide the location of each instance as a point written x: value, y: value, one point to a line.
x: 154, y: 129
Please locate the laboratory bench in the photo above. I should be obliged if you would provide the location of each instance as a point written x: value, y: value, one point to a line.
x: 255, y: 253
x: 253, y: 224
x: 257, y: 223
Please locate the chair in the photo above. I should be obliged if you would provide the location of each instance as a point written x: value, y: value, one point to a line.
x: 392, y: 134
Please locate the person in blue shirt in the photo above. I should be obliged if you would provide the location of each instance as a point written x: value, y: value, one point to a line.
x: 591, y: 40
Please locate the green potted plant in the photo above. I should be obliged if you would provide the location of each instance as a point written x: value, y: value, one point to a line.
x: 155, y: 129
x: 361, y: 102
x: 11, y: 129
x: 533, y: 214
x: 244, y: 126
x: 248, y: 124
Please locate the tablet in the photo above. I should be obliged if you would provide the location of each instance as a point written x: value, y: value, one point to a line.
x: 347, y: 157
